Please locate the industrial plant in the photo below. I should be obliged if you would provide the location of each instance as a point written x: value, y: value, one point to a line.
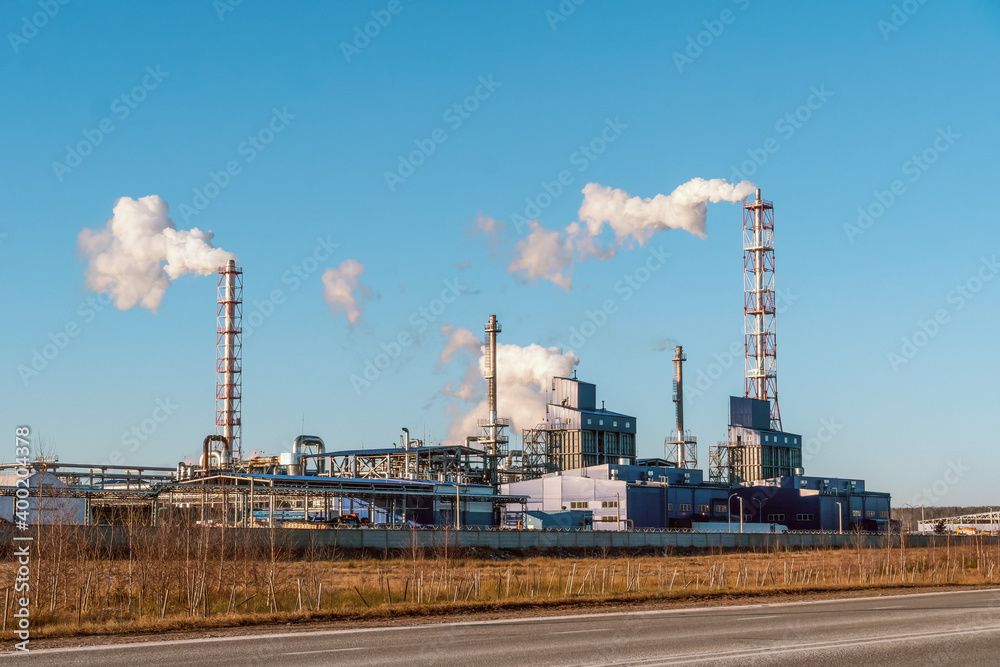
x: 576, y: 468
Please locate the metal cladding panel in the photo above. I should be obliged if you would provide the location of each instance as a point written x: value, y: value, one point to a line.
x: 749, y: 412
x: 646, y: 507
x: 587, y: 396
x: 574, y: 393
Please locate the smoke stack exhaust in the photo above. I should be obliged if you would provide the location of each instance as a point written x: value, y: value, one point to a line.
x: 679, y: 360
x: 229, y: 358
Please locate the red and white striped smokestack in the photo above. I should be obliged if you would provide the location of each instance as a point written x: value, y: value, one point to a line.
x: 229, y: 362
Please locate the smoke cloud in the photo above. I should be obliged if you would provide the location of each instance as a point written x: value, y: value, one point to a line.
x: 344, y: 291
x: 549, y: 255
x: 523, y: 376
x: 140, y: 251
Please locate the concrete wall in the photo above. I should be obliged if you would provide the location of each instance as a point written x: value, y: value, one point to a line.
x: 376, y: 539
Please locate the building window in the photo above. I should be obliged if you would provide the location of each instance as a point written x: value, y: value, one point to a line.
x: 703, y: 509
x: 600, y: 422
x: 589, y: 420
x: 609, y: 504
x: 871, y: 514
x: 786, y: 439
x: 806, y: 517
x: 766, y: 438
x: 685, y: 508
x: 795, y: 441
x: 579, y: 505
x: 628, y: 424
x: 615, y: 424
x: 776, y: 517
x: 609, y: 519
x: 670, y: 507
x: 856, y: 513
x: 721, y: 508
x: 884, y: 515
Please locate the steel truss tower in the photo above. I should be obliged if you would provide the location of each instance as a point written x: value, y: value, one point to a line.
x: 759, y: 304
x: 229, y: 358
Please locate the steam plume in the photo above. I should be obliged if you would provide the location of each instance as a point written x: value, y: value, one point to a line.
x: 343, y: 290
x: 523, y: 375
x: 140, y: 251
x: 549, y: 255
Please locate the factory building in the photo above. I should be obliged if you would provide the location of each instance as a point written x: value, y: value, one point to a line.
x: 625, y: 497
x: 580, y: 434
x: 754, y: 450
x: 816, y: 503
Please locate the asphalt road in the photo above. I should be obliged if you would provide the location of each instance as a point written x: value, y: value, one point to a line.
x: 956, y: 628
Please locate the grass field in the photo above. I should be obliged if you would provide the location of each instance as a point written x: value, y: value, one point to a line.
x: 186, y: 579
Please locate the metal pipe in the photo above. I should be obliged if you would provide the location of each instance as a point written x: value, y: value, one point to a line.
x: 679, y: 404
x: 205, y: 465
x: 492, y: 328
x: 406, y: 449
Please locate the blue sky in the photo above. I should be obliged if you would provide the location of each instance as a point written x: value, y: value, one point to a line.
x: 892, y: 78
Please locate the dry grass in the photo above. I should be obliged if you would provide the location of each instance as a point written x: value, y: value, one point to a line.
x: 190, y: 579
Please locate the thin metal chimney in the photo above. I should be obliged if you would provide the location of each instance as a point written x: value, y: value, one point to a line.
x: 492, y: 329
x: 679, y: 359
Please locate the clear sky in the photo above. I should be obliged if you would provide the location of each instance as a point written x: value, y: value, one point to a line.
x: 828, y: 107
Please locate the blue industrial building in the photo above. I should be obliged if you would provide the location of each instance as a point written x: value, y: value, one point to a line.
x: 762, y: 483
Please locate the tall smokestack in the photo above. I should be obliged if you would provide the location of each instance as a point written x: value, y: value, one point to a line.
x: 759, y: 305
x: 492, y: 329
x: 679, y: 360
x: 229, y: 357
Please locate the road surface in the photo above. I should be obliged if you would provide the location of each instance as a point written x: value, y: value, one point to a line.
x: 957, y: 628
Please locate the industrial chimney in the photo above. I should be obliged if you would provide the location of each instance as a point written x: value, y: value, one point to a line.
x: 493, y: 440
x: 229, y: 358
x: 681, y: 450
x: 759, y: 304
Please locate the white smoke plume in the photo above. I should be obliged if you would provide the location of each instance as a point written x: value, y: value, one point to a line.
x: 140, y: 251
x: 544, y: 254
x: 549, y: 255
x: 458, y: 339
x: 344, y: 291
x: 524, y: 374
